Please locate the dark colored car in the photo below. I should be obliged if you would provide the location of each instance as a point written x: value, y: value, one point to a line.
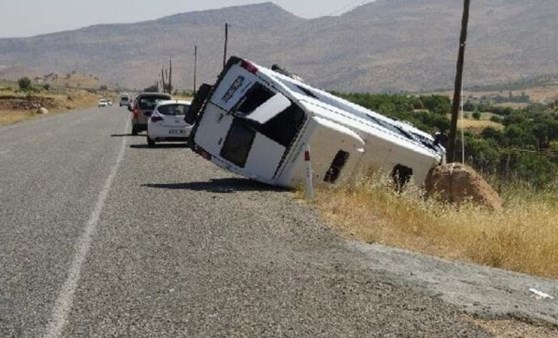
x: 142, y: 108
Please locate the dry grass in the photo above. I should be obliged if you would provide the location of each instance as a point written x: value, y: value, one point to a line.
x: 513, y: 329
x: 477, y: 126
x: 8, y: 117
x: 75, y: 99
x: 521, y: 238
x: 69, y: 100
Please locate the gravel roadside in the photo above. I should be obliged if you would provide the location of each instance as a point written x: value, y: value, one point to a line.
x: 186, y: 249
x: 502, y: 301
x: 481, y: 291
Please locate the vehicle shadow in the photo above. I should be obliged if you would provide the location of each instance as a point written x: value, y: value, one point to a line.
x: 124, y: 135
x: 219, y: 185
x: 166, y: 145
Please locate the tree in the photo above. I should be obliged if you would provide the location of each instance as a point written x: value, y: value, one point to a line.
x: 437, y: 104
x: 468, y: 106
x: 153, y: 88
x: 494, y: 134
x: 24, y: 83
x: 541, y: 132
x: 536, y: 169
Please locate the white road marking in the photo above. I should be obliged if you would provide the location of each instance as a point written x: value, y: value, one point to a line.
x: 65, y: 299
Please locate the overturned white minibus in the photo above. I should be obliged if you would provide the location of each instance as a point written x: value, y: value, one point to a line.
x: 256, y: 122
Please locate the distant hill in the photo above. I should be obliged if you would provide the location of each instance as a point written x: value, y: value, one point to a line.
x: 386, y: 45
x: 14, y: 72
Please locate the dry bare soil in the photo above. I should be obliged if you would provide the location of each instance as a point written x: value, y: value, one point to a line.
x: 15, y: 107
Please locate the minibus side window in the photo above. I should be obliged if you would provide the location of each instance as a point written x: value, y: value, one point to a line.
x: 284, y: 126
x: 401, y: 175
x: 238, y: 143
x: 336, y: 166
x: 257, y: 95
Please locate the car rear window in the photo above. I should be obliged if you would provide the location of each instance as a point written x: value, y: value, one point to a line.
x: 149, y: 102
x: 173, y: 109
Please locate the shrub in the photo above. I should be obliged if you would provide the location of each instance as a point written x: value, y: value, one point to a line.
x: 497, y: 119
x: 468, y: 106
x: 24, y: 83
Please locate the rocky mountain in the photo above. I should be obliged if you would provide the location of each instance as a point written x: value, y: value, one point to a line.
x: 386, y: 45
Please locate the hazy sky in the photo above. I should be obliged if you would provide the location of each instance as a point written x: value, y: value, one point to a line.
x: 20, y: 18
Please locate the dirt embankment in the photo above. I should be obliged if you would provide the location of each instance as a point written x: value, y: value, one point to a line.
x: 15, y: 102
x: 458, y: 183
x: 15, y: 107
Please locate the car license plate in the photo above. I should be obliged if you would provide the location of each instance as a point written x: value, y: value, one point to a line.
x: 176, y: 131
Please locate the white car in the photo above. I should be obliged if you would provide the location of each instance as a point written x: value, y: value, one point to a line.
x: 125, y: 100
x: 166, y: 123
x: 102, y: 103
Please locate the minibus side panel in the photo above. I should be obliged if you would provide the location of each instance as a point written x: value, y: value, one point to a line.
x: 213, y: 129
x: 265, y: 155
x: 327, y: 140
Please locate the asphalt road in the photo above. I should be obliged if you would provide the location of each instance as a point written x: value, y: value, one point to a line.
x: 101, y: 236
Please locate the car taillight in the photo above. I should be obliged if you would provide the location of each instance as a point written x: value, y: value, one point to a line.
x: 135, y: 111
x: 249, y: 67
x: 156, y: 118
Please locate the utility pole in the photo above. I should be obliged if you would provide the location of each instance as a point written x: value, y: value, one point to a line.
x: 164, y: 84
x: 226, y: 43
x: 195, y: 67
x: 458, y: 83
x: 170, y: 77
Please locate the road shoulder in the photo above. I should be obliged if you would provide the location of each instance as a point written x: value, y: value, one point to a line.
x: 479, y: 291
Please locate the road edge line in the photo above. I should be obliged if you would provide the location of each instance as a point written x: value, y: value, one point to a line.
x: 65, y: 298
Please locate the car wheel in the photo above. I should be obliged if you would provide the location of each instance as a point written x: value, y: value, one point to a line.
x: 134, y: 130
x: 150, y: 142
